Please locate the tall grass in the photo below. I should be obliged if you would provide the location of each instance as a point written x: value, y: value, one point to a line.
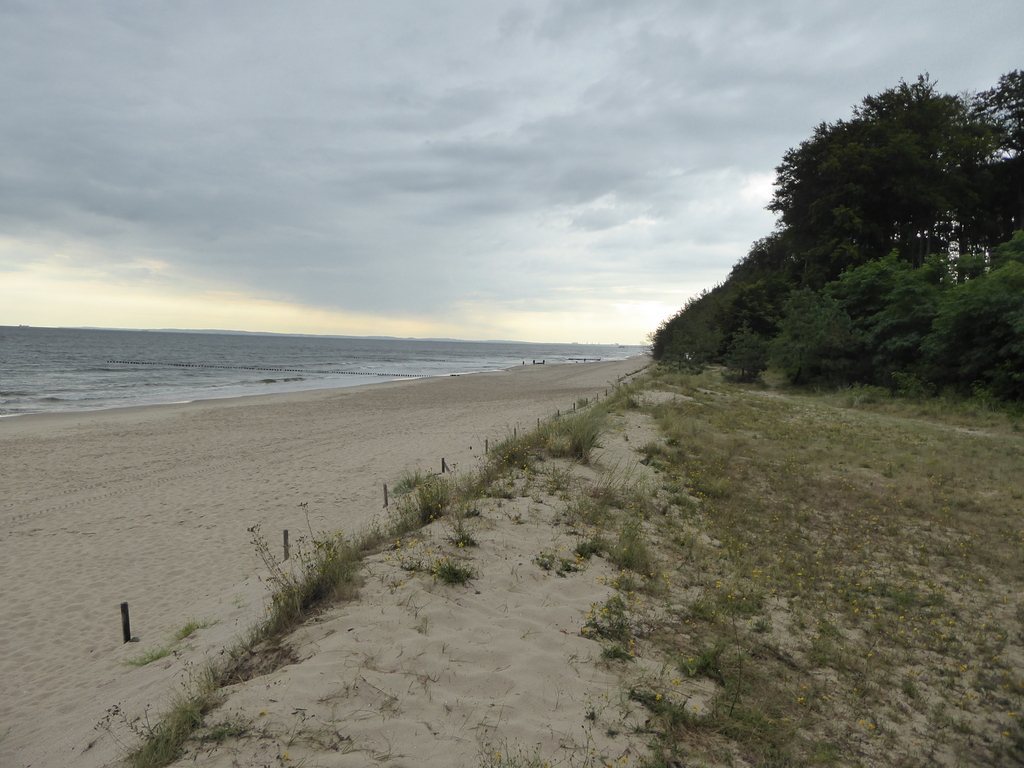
x: 576, y: 436
x: 325, y: 569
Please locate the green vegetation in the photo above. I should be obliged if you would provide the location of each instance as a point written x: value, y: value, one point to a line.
x: 898, y: 260
x: 155, y: 654
x: 451, y: 571
x: 575, y: 436
x: 852, y: 580
x: 190, y: 627
x: 148, y: 657
x: 801, y: 579
x: 324, y: 569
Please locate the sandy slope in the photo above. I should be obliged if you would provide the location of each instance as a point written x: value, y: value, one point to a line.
x: 151, y: 506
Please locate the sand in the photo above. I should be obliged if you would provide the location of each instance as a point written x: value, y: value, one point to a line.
x: 151, y: 506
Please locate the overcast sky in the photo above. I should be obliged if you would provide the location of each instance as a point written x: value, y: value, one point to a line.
x: 538, y: 170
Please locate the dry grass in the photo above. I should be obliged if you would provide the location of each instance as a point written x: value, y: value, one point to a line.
x: 807, y: 579
x: 850, y: 579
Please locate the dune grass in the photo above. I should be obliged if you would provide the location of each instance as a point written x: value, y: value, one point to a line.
x: 853, y: 578
x: 822, y: 578
x: 148, y: 657
x: 825, y: 578
x: 324, y: 569
x: 182, y: 633
x: 191, y: 626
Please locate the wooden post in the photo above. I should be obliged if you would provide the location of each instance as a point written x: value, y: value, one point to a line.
x: 574, y: 406
x: 126, y: 624
x: 515, y: 433
x: 444, y: 467
x: 487, y: 445
x: 286, y: 544
x: 385, y: 495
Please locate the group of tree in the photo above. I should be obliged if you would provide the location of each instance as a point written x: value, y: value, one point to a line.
x: 898, y: 259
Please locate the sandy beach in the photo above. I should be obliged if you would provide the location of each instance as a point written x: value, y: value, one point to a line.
x: 151, y: 506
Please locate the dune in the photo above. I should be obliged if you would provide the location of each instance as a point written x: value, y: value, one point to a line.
x: 152, y: 506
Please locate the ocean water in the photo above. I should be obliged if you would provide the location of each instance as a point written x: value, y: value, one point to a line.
x: 59, y: 369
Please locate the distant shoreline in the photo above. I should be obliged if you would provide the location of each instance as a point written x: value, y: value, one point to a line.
x: 318, y: 386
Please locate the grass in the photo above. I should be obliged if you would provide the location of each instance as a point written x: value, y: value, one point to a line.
x: 854, y: 564
x: 182, y: 633
x: 324, y: 569
x: 630, y: 552
x: 821, y: 578
x: 162, y: 743
x: 148, y: 657
x: 190, y: 627
x: 616, y: 652
x: 576, y: 436
x: 559, y: 564
x: 410, y: 481
x: 451, y: 571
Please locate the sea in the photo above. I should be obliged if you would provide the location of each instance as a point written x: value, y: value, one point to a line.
x: 50, y: 370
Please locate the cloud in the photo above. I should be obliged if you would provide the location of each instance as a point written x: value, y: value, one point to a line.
x: 429, y: 160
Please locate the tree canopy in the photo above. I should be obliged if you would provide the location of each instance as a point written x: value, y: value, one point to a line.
x: 898, y: 252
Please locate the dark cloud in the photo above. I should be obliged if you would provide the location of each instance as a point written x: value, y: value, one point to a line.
x: 404, y: 155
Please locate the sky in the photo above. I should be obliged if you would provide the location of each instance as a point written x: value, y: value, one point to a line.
x: 544, y: 170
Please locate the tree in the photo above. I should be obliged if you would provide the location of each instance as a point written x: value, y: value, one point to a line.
x: 891, y: 307
x: 816, y: 340
x: 978, y: 334
x: 1003, y: 106
x: 1013, y: 250
x: 747, y: 356
x: 897, y: 256
x: 904, y: 173
x: 690, y: 339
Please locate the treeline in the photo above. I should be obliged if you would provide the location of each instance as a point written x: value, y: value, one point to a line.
x: 898, y: 258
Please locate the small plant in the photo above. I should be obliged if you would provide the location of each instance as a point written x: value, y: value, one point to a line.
x: 515, y: 452
x: 616, y: 653
x: 428, y: 500
x: 227, y: 729
x: 587, y: 548
x: 706, y: 663
x: 672, y: 714
x: 559, y: 480
x: 155, y: 654
x: 631, y: 552
x: 610, y: 621
x: 577, y: 436
x: 545, y: 561
x: 450, y: 571
x: 549, y: 561
x: 148, y: 657
x: 459, y: 534
x: 321, y: 569
x: 191, y: 626
x: 410, y: 481
x: 432, y: 499
x: 503, y: 757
